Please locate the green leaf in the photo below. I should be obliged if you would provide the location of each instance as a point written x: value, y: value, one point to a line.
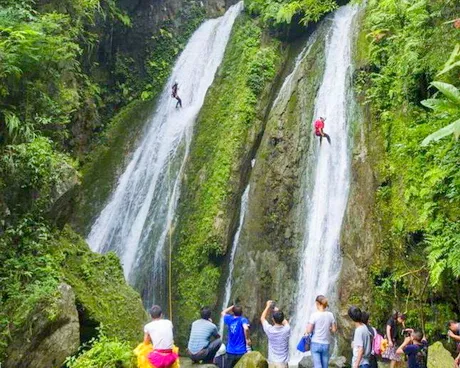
x: 453, y: 128
x: 439, y: 105
x: 450, y: 91
x: 451, y: 63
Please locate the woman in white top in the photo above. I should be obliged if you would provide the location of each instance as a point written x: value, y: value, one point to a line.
x: 322, y: 324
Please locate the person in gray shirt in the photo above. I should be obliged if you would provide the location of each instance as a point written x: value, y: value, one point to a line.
x: 278, y: 336
x: 362, y: 342
x: 204, y: 339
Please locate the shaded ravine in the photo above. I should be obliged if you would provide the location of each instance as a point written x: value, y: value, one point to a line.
x: 136, y: 220
x: 320, y: 257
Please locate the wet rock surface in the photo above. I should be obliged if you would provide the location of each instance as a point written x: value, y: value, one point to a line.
x: 266, y: 261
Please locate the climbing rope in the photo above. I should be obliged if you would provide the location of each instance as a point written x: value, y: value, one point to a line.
x: 170, y: 249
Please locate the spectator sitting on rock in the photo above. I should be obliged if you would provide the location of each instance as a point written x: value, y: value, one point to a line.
x: 204, y: 339
x: 278, y: 336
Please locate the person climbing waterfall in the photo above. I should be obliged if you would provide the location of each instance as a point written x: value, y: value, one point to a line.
x: 239, y: 342
x: 175, y: 95
x: 322, y: 323
x: 319, y: 130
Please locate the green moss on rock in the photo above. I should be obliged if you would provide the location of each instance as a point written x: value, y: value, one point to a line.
x: 225, y: 133
x: 102, y: 295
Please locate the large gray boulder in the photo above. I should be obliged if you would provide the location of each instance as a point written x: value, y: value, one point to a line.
x: 47, y: 340
x: 254, y: 359
x: 439, y: 357
x: 337, y: 362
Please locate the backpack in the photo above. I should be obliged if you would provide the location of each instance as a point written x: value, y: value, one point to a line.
x: 377, y: 344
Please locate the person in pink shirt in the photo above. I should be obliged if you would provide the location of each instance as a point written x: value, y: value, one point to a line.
x: 319, y: 130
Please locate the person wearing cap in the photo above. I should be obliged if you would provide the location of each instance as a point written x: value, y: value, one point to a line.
x: 319, y: 130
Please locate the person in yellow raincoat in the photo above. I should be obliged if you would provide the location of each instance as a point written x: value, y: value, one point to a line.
x: 144, y: 349
x: 158, y: 348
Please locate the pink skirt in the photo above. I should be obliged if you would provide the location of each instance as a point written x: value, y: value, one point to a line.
x: 162, y: 358
x: 390, y: 354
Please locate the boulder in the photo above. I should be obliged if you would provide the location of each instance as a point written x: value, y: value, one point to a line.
x: 187, y: 363
x: 252, y: 360
x: 439, y: 357
x: 47, y: 339
x: 337, y: 362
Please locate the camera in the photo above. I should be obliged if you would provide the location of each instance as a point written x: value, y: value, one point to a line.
x: 407, y: 333
x: 272, y: 305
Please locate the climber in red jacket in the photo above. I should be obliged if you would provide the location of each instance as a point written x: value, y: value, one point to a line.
x: 319, y: 130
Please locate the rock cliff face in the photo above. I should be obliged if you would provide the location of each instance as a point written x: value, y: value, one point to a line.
x: 267, y: 257
x: 225, y: 136
x: 137, y: 57
x: 46, y: 329
x: 47, y: 339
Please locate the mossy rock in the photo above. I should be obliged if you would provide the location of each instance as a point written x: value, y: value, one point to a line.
x: 49, y: 334
x: 103, y: 297
x: 439, y: 357
x: 225, y: 137
x: 254, y: 359
x: 100, y: 173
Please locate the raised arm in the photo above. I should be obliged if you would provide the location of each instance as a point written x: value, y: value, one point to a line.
x: 263, y: 317
x: 406, y: 342
x: 226, y: 311
x: 453, y: 336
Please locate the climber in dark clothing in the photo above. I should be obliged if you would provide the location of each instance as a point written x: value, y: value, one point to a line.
x: 174, y: 94
x: 319, y: 130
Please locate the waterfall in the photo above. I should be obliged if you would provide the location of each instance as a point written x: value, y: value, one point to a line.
x: 136, y: 220
x: 236, y: 240
x: 320, y: 258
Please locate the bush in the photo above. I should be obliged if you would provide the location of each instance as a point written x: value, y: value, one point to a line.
x: 104, y: 353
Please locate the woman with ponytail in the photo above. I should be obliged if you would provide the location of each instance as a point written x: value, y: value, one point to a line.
x: 322, y: 324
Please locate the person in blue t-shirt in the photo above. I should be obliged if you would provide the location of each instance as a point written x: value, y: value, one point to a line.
x: 415, y: 347
x: 239, y: 341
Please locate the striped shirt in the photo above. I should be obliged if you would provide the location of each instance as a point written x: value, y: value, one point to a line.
x: 278, y: 342
x: 200, y: 335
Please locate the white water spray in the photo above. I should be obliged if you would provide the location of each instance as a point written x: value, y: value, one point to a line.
x: 236, y: 241
x: 136, y: 220
x: 321, y: 259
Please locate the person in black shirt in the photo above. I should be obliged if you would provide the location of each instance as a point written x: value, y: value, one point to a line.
x: 174, y: 94
x: 392, y: 334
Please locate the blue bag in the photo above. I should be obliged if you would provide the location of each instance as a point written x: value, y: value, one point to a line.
x: 304, y: 343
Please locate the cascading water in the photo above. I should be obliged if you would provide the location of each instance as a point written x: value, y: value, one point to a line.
x: 236, y: 240
x: 321, y: 259
x: 136, y: 220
